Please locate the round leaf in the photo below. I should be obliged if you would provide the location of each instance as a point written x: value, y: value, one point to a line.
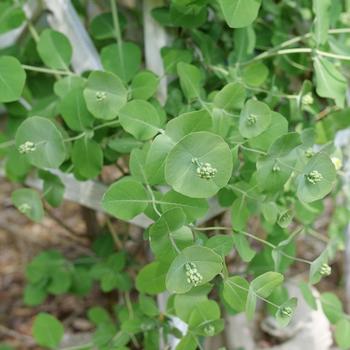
x: 104, y: 95
x: 144, y: 85
x: 125, y: 199
x: 140, y: 119
x: 54, y: 49
x: 49, y: 150
x: 12, y: 79
x: 207, y: 262
x: 28, y: 202
x: 181, y: 171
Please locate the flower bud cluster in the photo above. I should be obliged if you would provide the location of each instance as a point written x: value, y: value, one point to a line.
x: 286, y: 311
x: 251, y: 120
x: 314, y: 176
x: 24, y: 208
x: 325, y: 270
x: 309, y: 153
x: 206, y: 171
x: 307, y: 99
x: 27, y: 147
x: 101, y: 95
x: 193, y: 276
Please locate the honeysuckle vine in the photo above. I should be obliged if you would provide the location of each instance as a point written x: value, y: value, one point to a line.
x: 255, y: 93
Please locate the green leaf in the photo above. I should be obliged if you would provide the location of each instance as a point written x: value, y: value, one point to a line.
x: 255, y: 74
x: 244, y: 41
x: 87, y: 158
x: 231, y: 97
x: 11, y: 16
x: 167, y: 231
x: 172, y: 56
x: 207, y: 262
x: 306, y: 290
x: 102, y: 26
x: 54, y: 49
x: 342, y: 333
x: 187, y: 123
x: 239, y: 213
x: 243, y: 248
x: 53, y: 188
x: 185, y: 303
x: 156, y: 157
x: 140, y: 119
x: 235, y: 292
x: 255, y: 118
x: 123, y: 60
x: 262, y: 286
x: 104, y: 95
x: 47, y: 149
x: 74, y: 110
x: 144, y: 85
x: 65, y: 85
x: 125, y: 199
x: 221, y: 244
x: 188, y: 342
x: 310, y: 190
x: 47, y: 331
x: 28, y: 202
x: 181, y: 167
x: 193, y: 208
x: 332, y: 307
x: 151, y: 278
x: 321, y: 9
x: 12, y: 79
x: 148, y: 306
x: 286, y: 311
x: 329, y: 81
x: 239, y: 13
x: 191, y: 80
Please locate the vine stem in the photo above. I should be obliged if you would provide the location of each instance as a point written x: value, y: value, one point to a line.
x: 258, y: 239
x: 47, y: 70
x: 117, y: 32
x: 75, y: 137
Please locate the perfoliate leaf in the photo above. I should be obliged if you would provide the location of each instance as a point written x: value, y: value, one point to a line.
x: 28, y: 202
x: 235, y: 292
x: 285, y: 312
x: 104, y: 95
x: 204, y: 262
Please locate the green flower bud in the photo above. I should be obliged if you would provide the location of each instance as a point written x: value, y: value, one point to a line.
x: 276, y: 168
x: 251, y: 120
x: 24, y: 208
x: 307, y: 99
x: 286, y: 311
x: 27, y: 147
x: 309, y: 153
x: 101, y: 95
x: 314, y: 176
x: 193, y: 276
x: 325, y: 270
x: 209, y: 330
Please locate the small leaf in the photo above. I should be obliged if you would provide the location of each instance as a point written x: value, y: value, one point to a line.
x: 243, y: 248
x: 11, y: 16
x: 235, y: 292
x: 342, y: 333
x: 54, y: 49
x: 47, y: 331
x: 151, y: 278
x: 240, y: 13
x: 12, y: 79
x: 125, y: 199
x: 231, y: 97
x: 221, y: 244
x: 28, y: 202
x: 123, y: 60
x: 321, y: 9
x: 332, y: 307
x: 74, y: 110
x: 87, y: 158
x: 191, y: 80
x: 329, y: 81
x: 104, y: 95
x: 144, y: 85
x: 308, y: 295
x: 140, y: 119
